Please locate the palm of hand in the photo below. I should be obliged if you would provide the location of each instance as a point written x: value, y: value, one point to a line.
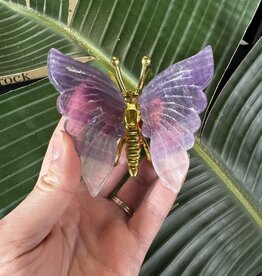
x: 91, y: 238
x: 98, y: 240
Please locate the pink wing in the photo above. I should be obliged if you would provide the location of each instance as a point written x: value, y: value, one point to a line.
x: 94, y: 110
x: 169, y: 106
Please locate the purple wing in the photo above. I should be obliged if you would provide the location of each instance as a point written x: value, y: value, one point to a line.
x: 94, y: 110
x: 170, y: 104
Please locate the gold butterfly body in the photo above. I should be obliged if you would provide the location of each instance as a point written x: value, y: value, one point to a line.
x: 133, y: 137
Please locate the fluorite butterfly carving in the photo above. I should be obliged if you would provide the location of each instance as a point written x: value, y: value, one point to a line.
x: 101, y: 117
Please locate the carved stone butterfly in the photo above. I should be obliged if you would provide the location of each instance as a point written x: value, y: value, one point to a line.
x: 101, y: 117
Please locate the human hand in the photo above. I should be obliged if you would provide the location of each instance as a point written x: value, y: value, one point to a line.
x: 59, y: 229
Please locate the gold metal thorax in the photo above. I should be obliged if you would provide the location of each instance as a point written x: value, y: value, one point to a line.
x: 133, y: 137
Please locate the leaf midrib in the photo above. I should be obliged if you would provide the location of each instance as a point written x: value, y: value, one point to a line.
x: 227, y: 180
x: 102, y: 58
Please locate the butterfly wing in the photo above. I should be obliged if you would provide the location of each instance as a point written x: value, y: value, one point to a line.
x: 170, y: 104
x: 94, y: 110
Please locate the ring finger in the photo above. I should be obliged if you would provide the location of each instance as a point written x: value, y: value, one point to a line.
x: 136, y: 188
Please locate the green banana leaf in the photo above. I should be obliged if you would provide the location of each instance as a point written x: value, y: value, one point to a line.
x: 166, y: 30
x: 216, y: 229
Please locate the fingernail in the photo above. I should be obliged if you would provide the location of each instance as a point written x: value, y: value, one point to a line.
x: 57, y: 145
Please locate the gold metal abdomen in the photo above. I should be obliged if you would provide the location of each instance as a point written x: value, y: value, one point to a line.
x: 133, y: 143
x: 133, y: 149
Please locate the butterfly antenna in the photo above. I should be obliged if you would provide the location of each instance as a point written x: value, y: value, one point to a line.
x: 145, y: 63
x: 119, y: 78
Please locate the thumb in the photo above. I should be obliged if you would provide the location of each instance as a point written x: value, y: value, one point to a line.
x: 35, y: 217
